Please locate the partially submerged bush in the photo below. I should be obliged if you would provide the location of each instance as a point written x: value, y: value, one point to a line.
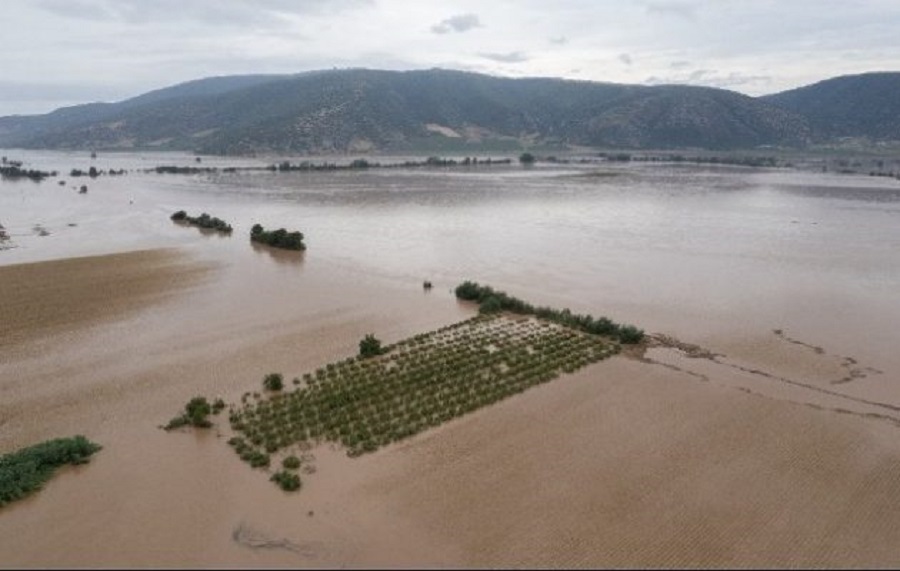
x: 26, y: 470
x: 370, y: 346
x: 203, y: 221
x: 492, y: 301
x: 195, y: 414
x: 291, y: 462
x: 280, y: 238
x: 273, y: 382
x: 287, y: 481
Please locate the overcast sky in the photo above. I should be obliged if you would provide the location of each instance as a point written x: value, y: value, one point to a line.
x: 63, y: 52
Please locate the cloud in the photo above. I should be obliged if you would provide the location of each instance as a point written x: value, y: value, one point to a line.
x: 216, y: 13
x: 79, y: 9
x: 626, y: 59
x: 458, y: 23
x: 559, y: 40
x: 686, y: 10
x: 711, y: 78
x: 511, y: 57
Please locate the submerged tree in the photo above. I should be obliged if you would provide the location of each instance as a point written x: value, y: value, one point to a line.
x: 370, y: 346
x: 273, y: 382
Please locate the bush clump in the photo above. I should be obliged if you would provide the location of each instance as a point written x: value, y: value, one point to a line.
x: 26, y: 470
x: 280, y: 238
x: 370, y: 346
x: 287, y: 481
x: 273, y: 382
x: 203, y: 221
x: 492, y: 301
x: 291, y: 463
x: 195, y: 414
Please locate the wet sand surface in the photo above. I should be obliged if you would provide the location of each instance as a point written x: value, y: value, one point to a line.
x: 45, y: 298
x: 766, y: 439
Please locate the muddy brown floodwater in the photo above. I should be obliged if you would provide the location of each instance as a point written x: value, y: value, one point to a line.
x: 759, y: 428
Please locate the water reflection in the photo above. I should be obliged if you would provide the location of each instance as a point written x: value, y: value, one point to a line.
x: 207, y: 232
x: 278, y: 255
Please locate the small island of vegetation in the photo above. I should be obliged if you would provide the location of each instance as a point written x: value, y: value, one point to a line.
x: 196, y: 413
x: 13, y: 170
x: 280, y: 238
x: 386, y: 394
x: 203, y: 221
x: 27, y: 470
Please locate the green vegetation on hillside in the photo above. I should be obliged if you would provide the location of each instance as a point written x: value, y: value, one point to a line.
x: 358, y: 110
x: 26, y: 470
x: 862, y: 106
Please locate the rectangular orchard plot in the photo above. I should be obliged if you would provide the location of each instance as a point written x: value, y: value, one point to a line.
x: 418, y: 383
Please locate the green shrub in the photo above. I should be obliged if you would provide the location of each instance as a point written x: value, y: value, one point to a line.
x: 630, y: 334
x: 177, y: 422
x: 195, y: 413
x: 370, y: 346
x: 491, y: 304
x: 286, y: 480
x: 280, y: 238
x: 492, y: 301
x: 197, y: 409
x: 291, y: 463
x: 273, y: 382
x: 203, y: 221
x: 26, y: 470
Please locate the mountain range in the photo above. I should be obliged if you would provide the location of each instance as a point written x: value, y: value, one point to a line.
x: 362, y: 110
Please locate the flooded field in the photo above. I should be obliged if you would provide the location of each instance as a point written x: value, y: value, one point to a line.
x: 759, y: 428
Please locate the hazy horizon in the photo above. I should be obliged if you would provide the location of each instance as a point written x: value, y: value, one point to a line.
x: 61, y: 53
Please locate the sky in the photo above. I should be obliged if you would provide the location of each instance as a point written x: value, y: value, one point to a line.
x: 64, y: 52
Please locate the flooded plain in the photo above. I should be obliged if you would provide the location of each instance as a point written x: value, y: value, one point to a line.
x: 760, y: 427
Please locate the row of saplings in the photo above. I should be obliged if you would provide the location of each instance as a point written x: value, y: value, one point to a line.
x: 364, y: 404
x: 387, y: 394
x: 280, y: 238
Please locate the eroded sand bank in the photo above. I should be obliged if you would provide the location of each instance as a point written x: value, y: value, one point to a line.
x: 627, y: 463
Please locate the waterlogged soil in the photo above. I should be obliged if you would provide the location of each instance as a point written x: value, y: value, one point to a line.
x: 758, y: 428
x: 42, y: 299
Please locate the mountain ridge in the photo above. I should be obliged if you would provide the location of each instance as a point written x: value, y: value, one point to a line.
x: 360, y: 110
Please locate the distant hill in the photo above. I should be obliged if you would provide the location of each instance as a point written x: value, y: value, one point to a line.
x: 361, y: 110
x: 866, y: 105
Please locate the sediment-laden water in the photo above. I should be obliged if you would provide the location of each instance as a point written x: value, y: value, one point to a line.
x: 775, y: 289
